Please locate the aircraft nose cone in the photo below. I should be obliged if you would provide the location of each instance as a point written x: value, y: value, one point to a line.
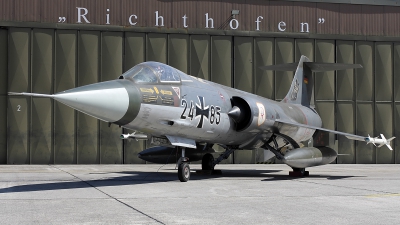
x: 116, y: 101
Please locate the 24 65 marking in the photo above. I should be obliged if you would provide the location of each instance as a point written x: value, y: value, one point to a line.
x: 210, y: 112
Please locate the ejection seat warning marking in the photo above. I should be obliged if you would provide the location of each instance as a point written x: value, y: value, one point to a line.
x: 147, y: 90
x: 164, y: 92
x: 149, y: 98
x: 261, y: 113
x: 167, y: 100
x: 203, y: 112
x: 159, y: 96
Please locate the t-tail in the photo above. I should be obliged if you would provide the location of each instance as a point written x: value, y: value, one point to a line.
x: 300, y: 91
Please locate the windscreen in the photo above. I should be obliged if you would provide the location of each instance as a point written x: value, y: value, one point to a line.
x: 152, y: 72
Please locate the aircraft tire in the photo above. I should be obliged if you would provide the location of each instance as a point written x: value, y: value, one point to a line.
x: 207, y: 162
x: 184, y: 172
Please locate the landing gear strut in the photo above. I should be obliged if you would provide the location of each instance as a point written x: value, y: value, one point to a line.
x: 183, y: 167
x: 208, y: 163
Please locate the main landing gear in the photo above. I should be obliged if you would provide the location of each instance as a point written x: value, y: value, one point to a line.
x: 289, y: 143
x: 208, y: 162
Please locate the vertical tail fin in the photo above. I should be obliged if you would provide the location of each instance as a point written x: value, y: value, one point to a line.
x: 301, y: 89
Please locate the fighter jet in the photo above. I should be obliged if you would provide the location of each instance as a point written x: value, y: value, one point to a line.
x: 186, y: 116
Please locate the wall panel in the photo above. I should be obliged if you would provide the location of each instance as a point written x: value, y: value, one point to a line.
x: 178, y: 46
x: 365, y: 154
x: 135, y: 44
x: 221, y: 60
x: 345, y: 78
x: 200, y: 56
x: 88, y: 73
x: 325, y: 81
x: 284, y: 53
x: 384, y: 125
x: 244, y: 157
x: 304, y: 47
x: 41, y: 139
x: 18, y: 130
x: 111, y: 68
x: 326, y: 110
x: 383, y: 71
x: 396, y: 142
x: 65, y: 78
x: 243, y: 66
x: 3, y: 94
x: 18, y: 111
x: 156, y: 47
x: 135, y: 53
x: 396, y: 67
x: 3, y: 129
x: 263, y: 56
x: 345, y: 123
x: 132, y: 148
x: 364, y: 76
x: 243, y: 80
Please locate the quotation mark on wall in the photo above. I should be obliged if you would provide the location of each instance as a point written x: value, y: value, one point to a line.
x: 62, y: 19
x: 321, y: 20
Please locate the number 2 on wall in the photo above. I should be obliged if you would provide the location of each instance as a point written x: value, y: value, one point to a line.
x: 18, y: 108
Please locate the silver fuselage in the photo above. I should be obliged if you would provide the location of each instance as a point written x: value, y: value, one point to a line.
x: 182, y: 118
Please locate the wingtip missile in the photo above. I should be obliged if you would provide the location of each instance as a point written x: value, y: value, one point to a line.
x: 134, y: 136
x: 380, y: 141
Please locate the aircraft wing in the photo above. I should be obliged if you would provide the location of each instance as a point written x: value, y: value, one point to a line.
x: 347, y: 135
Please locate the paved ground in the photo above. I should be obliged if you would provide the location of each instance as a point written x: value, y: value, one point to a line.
x: 243, y: 194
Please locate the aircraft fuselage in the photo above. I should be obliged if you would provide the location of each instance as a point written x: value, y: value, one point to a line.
x: 198, y: 109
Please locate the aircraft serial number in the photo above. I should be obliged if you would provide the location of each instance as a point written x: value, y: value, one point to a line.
x: 210, y: 112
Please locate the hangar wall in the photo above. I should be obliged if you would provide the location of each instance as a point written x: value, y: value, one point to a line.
x: 41, y: 131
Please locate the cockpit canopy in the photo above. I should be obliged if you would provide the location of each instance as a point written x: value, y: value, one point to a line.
x: 152, y: 72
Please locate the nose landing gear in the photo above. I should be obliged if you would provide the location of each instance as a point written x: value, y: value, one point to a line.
x: 184, y: 172
x: 183, y: 167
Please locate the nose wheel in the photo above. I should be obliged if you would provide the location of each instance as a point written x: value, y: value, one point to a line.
x: 184, y: 172
x: 183, y: 167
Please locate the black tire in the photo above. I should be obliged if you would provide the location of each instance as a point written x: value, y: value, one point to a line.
x: 207, y: 162
x: 184, y: 172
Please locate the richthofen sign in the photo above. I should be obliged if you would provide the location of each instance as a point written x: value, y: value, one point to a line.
x: 134, y: 20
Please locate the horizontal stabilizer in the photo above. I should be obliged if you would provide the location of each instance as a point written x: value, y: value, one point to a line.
x: 314, y: 66
x: 281, y: 67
